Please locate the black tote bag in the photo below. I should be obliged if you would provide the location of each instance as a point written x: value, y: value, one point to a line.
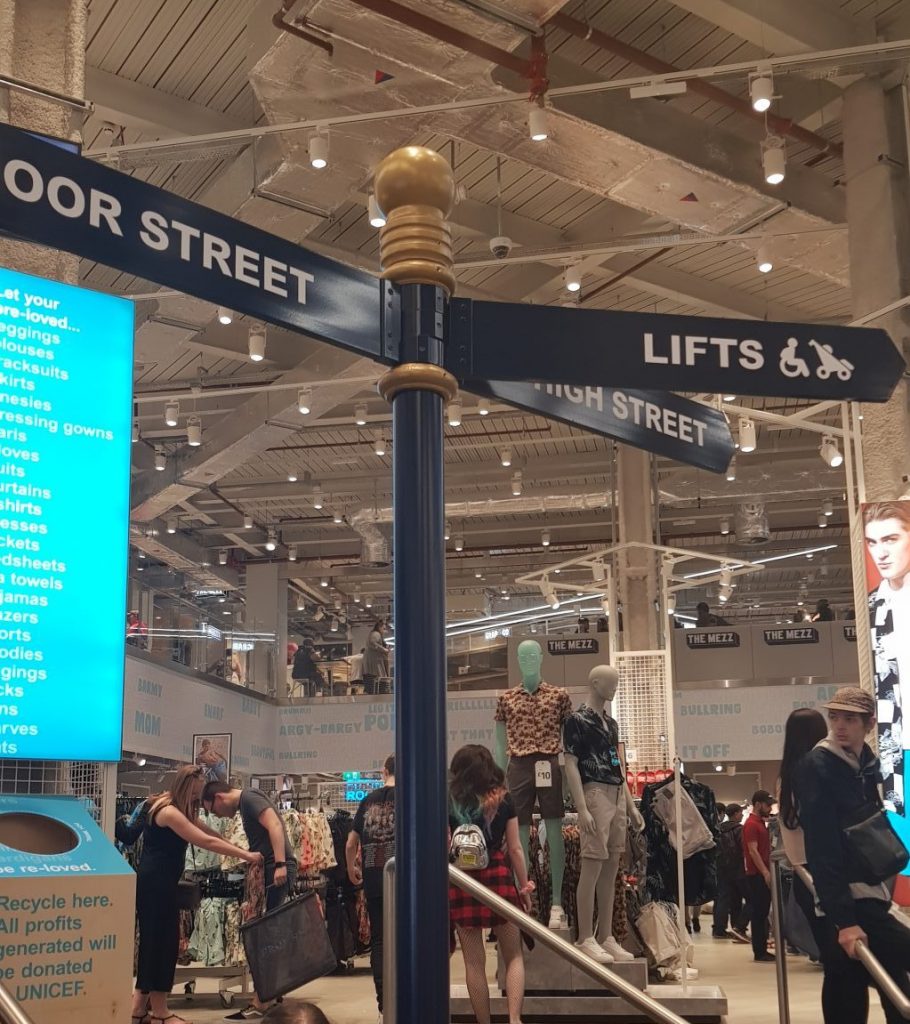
x: 288, y: 947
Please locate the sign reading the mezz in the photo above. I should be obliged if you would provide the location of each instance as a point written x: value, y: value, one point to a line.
x: 582, y: 645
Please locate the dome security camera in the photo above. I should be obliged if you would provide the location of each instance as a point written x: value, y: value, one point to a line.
x: 501, y: 246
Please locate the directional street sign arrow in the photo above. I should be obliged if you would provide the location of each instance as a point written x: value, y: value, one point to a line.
x: 656, y: 421
x: 72, y: 203
x: 517, y: 342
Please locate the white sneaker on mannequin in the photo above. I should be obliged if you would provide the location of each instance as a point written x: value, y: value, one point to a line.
x: 595, y: 951
x: 620, y: 955
x: 557, y: 918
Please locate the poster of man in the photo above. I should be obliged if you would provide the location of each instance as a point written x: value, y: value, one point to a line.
x: 213, y: 753
x: 886, y: 527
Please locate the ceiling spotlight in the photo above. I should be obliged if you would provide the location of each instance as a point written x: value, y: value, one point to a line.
x: 194, y: 432
x: 334, y: 626
x: 761, y: 92
x: 731, y: 470
x: 729, y: 398
x: 222, y: 556
x: 271, y: 541
x: 248, y: 522
x: 337, y: 517
x: 516, y: 484
x: 763, y: 260
x: 483, y: 408
x: 360, y: 415
x: 257, y: 342
x: 304, y: 396
x: 545, y: 538
x: 319, y: 614
x: 551, y: 598
x: 319, y: 151
x: 292, y: 553
x: 301, y: 603
x: 671, y: 604
x: 828, y: 507
x: 505, y: 457
x: 136, y: 433
x: 447, y: 532
x: 324, y: 581
x: 726, y: 577
x: 557, y: 570
x: 368, y: 602
x: 718, y: 767
x: 725, y: 526
x: 317, y: 497
x: 724, y: 594
x: 336, y: 601
x: 453, y: 414
x: 172, y: 526
x: 225, y: 316
x: 537, y: 123
x: 377, y: 217
x: 573, y: 279
x: 478, y: 575
x: 459, y: 542
x: 160, y: 460
x: 599, y: 571
x: 171, y: 412
x: 822, y: 520
x: 830, y: 452
x: 356, y: 597
x: 746, y: 434
x: 292, y: 477
x: 774, y: 159
x: 379, y: 445
x: 505, y: 595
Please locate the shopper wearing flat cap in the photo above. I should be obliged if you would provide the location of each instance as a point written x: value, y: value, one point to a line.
x: 836, y: 790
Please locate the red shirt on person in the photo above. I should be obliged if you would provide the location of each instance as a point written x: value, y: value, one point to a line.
x: 756, y: 831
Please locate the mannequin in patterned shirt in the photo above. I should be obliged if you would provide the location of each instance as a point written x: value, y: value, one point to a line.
x: 597, y: 782
x: 529, y: 720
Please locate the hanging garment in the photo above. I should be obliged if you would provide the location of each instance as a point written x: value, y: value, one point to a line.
x: 696, y: 836
x: 699, y: 870
x: 207, y: 941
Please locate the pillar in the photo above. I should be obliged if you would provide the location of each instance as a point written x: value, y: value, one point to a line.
x: 42, y: 43
x: 267, y: 612
x: 638, y: 588
x: 877, y: 163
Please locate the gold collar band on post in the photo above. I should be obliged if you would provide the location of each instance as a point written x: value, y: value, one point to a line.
x: 418, y: 377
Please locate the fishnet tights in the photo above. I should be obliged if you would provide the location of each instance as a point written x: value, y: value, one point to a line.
x: 474, y: 952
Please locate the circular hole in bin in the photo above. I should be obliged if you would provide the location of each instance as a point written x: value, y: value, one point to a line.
x: 36, y: 833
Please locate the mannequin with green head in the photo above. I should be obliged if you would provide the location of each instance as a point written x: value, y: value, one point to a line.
x: 529, y: 721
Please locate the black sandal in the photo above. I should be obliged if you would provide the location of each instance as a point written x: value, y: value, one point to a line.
x: 170, y: 1016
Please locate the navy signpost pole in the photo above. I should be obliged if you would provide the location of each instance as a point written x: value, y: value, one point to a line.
x: 415, y: 189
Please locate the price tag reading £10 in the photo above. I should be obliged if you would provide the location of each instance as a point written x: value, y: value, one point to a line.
x: 543, y: 774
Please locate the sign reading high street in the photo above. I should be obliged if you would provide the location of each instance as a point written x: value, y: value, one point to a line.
x: 658, y: 422
x: 72, y: 203
x: 514, y: 341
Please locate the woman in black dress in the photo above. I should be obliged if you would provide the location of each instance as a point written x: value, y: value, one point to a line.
x: 478, y: 796
x: 169, y: 828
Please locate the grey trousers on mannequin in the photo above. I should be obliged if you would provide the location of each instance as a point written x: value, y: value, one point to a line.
x: 601, y: 851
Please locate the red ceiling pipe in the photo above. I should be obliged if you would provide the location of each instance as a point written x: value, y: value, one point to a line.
x: 447, y: 34
x: 780, y: 125
x: 278, y: 20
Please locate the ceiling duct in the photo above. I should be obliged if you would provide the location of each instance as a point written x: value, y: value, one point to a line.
x: 375, y: 548
x: 752, y: 523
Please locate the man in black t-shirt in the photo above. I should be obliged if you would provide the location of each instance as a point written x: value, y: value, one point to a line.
x: 265, y: 834
x: 373, y: 837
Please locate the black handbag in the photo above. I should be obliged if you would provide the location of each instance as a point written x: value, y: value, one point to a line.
x: 288, y: 947
x: 189, y: 889
x: 874, y: 847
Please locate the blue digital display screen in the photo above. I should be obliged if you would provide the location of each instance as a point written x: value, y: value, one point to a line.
x: 66, y: 361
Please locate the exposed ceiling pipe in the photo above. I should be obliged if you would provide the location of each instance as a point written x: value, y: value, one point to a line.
x: 278, y: 20
x: 780, y: 125
x: 447, y: 34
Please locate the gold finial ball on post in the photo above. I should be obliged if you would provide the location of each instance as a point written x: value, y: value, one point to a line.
x: 415, y: 189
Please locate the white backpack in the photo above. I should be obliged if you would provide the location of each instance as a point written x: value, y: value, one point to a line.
x: 469, y: 849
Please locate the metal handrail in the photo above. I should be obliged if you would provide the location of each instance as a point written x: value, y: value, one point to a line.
x: 10, y: 1011
x: 884, y: 981
x: 650, y: 1007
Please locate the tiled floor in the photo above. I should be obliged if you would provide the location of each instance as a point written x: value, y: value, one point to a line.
x: 750, y: 987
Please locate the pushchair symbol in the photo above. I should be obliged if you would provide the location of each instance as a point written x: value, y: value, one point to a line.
x: 830, y: 364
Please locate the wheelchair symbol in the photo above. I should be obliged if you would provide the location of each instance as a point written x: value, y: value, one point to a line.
x: 791, y: 364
